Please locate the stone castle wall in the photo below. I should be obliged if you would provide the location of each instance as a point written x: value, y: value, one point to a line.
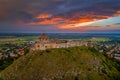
x: 45, y: 43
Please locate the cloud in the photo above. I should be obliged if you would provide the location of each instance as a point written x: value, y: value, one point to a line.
x: 116, y: 24
x: 43, y: 16
x: 117, y: 13
x: 64, y: 14
x: 26, y: 10
x: 76, y: 20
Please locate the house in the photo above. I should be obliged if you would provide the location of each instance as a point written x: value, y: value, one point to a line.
x: 21, y: 52
x: 117, y: 56
x: 14, y: 55
x: 109, y: 54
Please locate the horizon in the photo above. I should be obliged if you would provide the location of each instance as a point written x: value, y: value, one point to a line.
x: 29, y: 32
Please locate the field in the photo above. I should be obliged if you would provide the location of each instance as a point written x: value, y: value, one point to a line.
x: 96, y: 40
x: 18, y: 39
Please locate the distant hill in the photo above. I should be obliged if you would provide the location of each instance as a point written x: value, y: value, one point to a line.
x: 77, y: 63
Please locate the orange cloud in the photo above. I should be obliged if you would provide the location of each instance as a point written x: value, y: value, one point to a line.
x: 75, y: 21
x: 43, y: 16
x: 117, y: 13
x: 45, y: 22
x: 52, y: 21
x: 86, y: 20
x: 82, y: 21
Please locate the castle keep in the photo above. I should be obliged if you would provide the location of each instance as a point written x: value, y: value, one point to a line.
x: 45, y: 42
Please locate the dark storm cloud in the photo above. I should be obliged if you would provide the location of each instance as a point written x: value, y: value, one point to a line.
x: 12, y: 10
x: 95, y: 7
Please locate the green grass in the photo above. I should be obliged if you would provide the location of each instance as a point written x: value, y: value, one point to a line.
x: 3, y: 46
x: 97, y: 40
x: 100, y: 40
x: 77, y: 63
x: 18, y: 40
x: 29, y: 38
x: 15, y: 40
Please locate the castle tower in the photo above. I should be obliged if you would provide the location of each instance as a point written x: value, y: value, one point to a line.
x: 44, y: 38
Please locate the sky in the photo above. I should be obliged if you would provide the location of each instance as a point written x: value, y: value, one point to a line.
x: 35, y: 16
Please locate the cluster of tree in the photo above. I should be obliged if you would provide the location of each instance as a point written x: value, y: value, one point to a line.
x: 5, y: 63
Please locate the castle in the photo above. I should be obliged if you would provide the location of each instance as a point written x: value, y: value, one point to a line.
x: 45, y: 42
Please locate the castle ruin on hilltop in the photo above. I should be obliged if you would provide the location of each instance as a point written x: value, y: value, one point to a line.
x: 44, y: 42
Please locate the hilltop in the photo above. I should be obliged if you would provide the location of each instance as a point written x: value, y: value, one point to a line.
x: 76, y: 63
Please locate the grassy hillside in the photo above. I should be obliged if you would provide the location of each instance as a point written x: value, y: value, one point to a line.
x: 77, y: 63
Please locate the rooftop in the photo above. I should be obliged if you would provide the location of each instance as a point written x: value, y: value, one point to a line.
x: 43, y: 36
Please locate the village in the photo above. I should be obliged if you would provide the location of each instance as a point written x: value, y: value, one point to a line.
x: 109, y: 48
